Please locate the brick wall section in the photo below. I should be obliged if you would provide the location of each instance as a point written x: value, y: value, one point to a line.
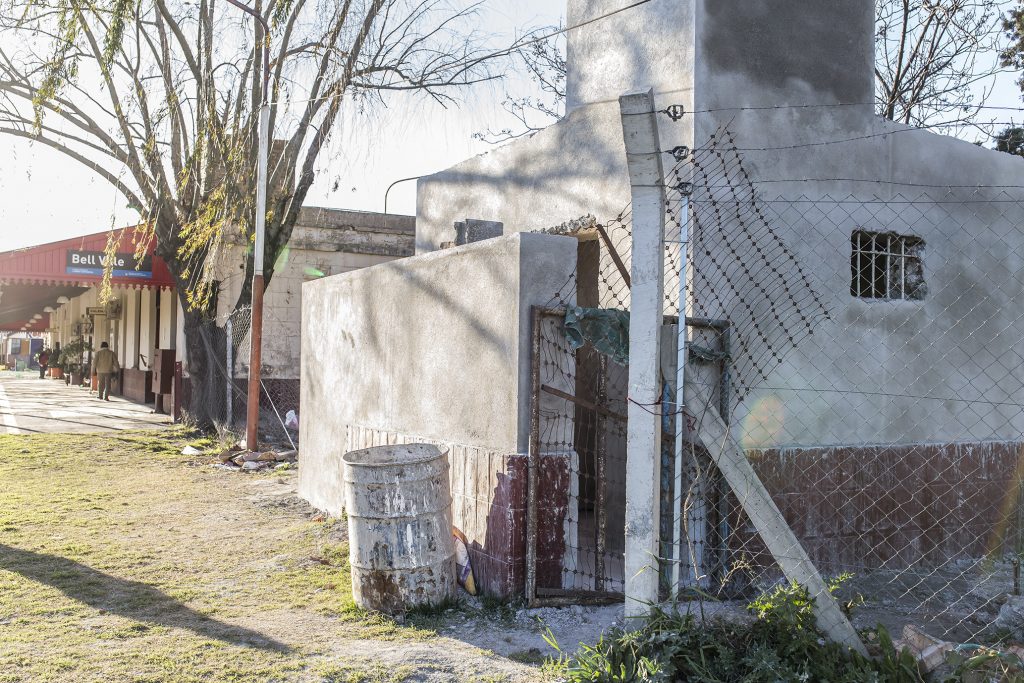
x: 854, y: 509
x: 890, y: 507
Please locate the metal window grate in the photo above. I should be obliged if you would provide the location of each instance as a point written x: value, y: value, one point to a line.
x: 886, y: 265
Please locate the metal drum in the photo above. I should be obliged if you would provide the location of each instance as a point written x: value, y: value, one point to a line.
x: 399, y: 507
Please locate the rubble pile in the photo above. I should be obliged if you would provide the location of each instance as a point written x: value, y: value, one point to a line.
x: 966, y: 662
x: 253, y: 461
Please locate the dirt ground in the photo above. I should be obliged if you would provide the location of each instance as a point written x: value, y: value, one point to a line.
x: 123, y: 560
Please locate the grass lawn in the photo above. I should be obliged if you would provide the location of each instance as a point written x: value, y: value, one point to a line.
x: 123, y: 560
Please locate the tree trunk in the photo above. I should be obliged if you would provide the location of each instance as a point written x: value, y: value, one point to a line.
x: 205, y: 354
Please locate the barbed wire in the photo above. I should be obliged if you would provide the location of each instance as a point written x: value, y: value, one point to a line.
x: 892, y: 451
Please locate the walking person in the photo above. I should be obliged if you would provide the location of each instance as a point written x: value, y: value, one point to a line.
x: 104, y: 365
x: 44, y: 361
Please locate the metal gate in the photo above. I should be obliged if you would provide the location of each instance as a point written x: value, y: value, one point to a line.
x: 577, y: 458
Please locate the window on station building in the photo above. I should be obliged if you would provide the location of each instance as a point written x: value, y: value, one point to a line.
x: 887, y: 265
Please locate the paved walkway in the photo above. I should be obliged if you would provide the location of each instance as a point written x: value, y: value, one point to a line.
x: 33, y: 406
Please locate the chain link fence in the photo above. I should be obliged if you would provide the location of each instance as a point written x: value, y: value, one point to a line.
x: 225, y: 384
x: 875, y: 386
x: 279, y: 395
x: 863, y: 354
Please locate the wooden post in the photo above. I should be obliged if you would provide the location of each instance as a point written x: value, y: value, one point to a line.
x: 643, y: 436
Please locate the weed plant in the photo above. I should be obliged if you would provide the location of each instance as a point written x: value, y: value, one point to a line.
x: 779, y: 645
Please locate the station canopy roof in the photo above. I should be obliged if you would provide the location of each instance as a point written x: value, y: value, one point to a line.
x: 35, y: 277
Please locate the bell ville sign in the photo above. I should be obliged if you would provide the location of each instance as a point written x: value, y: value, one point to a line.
x: 93, y: 263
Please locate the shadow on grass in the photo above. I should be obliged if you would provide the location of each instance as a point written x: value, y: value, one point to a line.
x: 131, y: 599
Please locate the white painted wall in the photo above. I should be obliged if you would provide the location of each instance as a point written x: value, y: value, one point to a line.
x: 131, y: 317
x: 147, y: 329
x: 168, y: 320
x: 736, y: 64
x: 179, y: 329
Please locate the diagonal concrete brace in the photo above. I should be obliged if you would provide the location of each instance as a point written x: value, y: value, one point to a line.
x: 765, y: 515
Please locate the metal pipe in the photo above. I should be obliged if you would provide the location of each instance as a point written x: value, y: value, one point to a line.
x: 613, y: 252
x: 256, y: 327
x: 601, y: 455
x: 722, y: 488
x: 708, y: 322
x: 388, y: 191
x: 266, y: 43
x: 583, y: 403
x: 680, y: 416
x: 256, y: 330
x: 252, y: 415
x: 229, y: 373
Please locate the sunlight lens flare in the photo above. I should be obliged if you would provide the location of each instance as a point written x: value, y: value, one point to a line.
x: 765, y: 423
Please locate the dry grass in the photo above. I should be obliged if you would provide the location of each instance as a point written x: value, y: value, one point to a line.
x: 122, y: 560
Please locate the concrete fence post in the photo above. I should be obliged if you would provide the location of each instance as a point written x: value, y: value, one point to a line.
x: 643, y: 437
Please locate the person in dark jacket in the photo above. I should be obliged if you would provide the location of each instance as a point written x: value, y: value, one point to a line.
x: 44, y: 361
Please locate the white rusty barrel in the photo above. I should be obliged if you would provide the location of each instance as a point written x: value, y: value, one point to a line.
x: 399, y: 507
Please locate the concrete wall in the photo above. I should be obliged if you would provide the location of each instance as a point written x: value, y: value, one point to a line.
x: 794, y: 84
x: 434, y: 348
x: 858, y: 377
x: 643, y: 47
x: 324, y: 242
x: 826, y: 170
x: 576, y: 166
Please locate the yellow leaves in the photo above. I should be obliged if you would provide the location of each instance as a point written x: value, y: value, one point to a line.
x: 149, y: 148
x: 61, y: 68
x: 142, y: 239
x: 109, y: 251
x: 120, y: 13
x: 201, y: 242
x: 144, y: 236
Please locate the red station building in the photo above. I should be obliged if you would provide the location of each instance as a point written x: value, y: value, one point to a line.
x: 54, y: 290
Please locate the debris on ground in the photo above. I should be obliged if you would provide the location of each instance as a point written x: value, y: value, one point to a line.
x: 228, y: 454
x: 190, y: 450
x: 255, y: 461
x: 930, y: 652
x: 1011, y: 616
x: 967, y: 662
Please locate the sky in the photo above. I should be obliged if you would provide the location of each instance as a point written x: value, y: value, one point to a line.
x: 45, y: 196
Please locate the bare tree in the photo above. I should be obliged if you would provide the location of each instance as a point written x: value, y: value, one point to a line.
x: 544, y: 58
x: 935, y: 60
x: 161, y: 98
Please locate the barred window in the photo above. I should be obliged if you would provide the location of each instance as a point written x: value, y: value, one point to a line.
x: 886, y: 265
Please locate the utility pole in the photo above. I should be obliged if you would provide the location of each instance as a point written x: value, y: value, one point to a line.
x: 643, y: 437
x: 256, y: 327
